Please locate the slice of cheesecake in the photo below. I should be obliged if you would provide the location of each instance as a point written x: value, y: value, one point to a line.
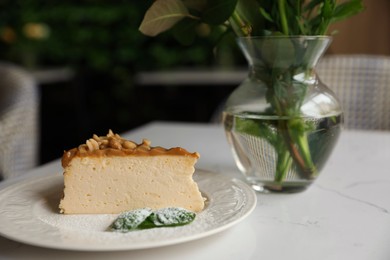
x: 109, y: 175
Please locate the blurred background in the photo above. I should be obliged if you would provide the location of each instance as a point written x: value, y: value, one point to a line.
x: 96, y: 71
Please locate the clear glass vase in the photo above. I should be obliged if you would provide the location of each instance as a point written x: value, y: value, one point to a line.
x: 282, y: 122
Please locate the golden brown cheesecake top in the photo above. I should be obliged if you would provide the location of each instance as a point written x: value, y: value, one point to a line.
x: 114, y: 145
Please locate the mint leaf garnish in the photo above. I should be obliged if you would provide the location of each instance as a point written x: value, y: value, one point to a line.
x: 130, y: 220
x: 172, y: 217
x: 146, y: 218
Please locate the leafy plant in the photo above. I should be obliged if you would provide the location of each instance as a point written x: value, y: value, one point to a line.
x: 264, y: 18
x: 247, y: 17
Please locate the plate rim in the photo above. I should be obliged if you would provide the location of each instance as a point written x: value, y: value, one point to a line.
x: 250, y: 199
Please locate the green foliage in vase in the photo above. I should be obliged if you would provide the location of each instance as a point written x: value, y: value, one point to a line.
x: 281, y: 60
x: 247, y: 17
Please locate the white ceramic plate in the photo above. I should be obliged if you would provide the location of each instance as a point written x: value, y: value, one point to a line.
x: 29, y: 214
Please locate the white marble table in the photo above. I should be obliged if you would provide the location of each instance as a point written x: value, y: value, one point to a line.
x: 344, y: 215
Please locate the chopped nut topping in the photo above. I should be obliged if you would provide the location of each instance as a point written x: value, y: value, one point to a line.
x: 114, y: 144
x: 92, y: 144
x: 129, y: 145
x: 113, y: 141
x: 110, y: 133
x: 146, y: 142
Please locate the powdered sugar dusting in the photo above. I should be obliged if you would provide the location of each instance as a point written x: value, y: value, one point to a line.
x: 96, y: 228
x: 83, y: 223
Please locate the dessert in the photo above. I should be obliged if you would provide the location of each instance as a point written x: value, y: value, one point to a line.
x: 109, y: 175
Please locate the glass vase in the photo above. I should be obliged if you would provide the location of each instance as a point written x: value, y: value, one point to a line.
x: 282, y: 122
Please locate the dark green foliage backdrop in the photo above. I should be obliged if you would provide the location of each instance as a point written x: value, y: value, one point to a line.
x: 100, y: 35
x: 99, y: 40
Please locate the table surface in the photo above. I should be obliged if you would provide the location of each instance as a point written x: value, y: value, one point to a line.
x: 343, y: 215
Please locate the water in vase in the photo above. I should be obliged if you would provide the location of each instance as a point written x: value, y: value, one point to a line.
x: 264, y: 148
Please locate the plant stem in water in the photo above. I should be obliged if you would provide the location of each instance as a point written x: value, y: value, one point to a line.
x: 283, y: 165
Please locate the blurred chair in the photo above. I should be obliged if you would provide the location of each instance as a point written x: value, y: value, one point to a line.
x: 19, y: 121
x: 362, y: 84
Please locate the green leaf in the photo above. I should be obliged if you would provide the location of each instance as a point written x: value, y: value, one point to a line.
x: 171, y: 217
x: 146, y: 218
x: 162, y: 16
x: 327, y: 9
x: 266, y: 15
x: 347, y: 9
x: 312, y: 4
x: 262, y: 129
x: 130, y: 220
x: 218, y: 11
